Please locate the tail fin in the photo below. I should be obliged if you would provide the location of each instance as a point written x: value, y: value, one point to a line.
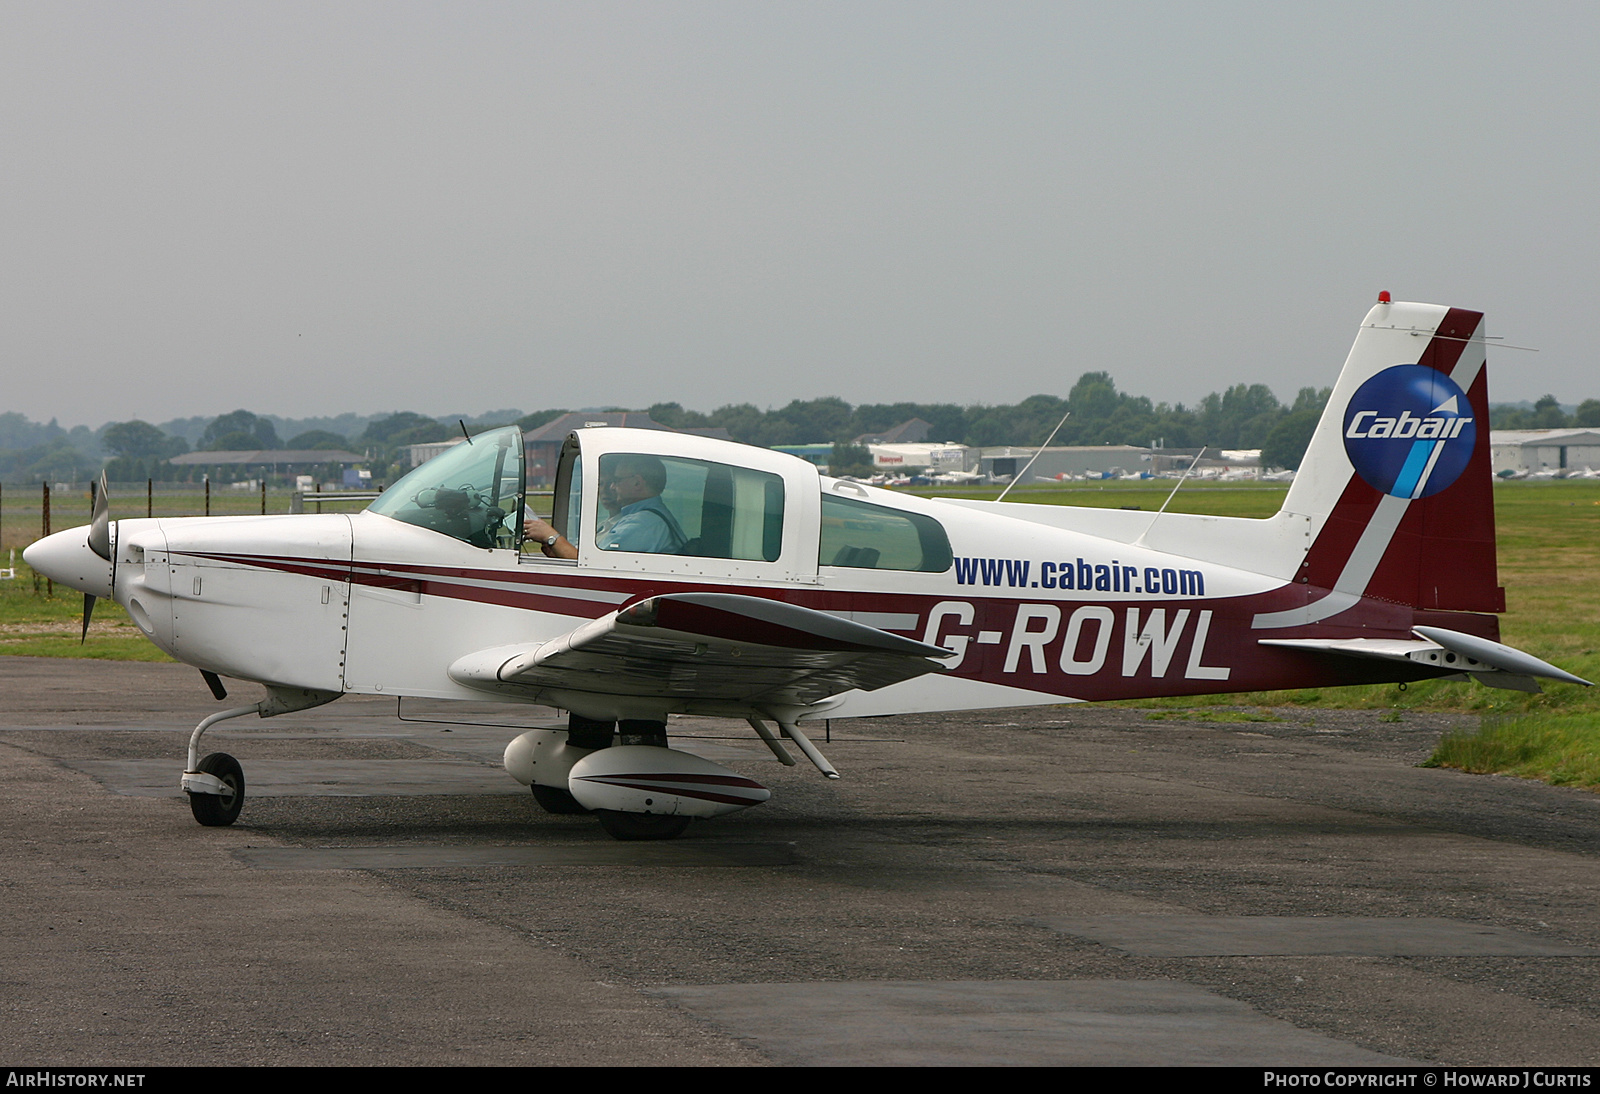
x: 1396, y: 482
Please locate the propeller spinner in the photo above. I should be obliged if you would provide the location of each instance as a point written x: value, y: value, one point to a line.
x: 83, y: 561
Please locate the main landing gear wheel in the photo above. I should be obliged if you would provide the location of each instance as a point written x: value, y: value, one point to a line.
x: 632, y: 826
x: 555, y: 799
x: 219, y: 810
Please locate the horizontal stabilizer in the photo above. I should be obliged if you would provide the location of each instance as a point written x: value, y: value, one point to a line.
x: 707, y: 648
x: 1444, y: 649
x: 1501, y: 656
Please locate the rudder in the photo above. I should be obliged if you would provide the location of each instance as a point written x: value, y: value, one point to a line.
x: 1396, y: 481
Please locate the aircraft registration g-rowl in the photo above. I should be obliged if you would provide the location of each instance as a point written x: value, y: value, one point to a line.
x: 768, y: 593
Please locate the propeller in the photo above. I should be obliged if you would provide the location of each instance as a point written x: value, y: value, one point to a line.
x: 100, y: 544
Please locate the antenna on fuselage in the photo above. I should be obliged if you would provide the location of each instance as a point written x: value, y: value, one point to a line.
x: 463, y: 424
x: 1018, y: 476
x: 1183, y: 478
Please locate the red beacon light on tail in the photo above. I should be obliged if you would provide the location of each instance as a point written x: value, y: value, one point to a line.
x: 1383, y: 297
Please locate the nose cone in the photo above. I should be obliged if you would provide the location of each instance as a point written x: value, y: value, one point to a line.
x: 66, y: 557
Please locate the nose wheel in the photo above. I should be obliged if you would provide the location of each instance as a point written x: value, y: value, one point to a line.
x: 215, y: 785
x: 219, y: 810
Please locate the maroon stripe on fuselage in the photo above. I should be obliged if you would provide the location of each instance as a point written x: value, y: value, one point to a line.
x: 510, y: 577
x: 1231, y: 642
x: 332, y: 569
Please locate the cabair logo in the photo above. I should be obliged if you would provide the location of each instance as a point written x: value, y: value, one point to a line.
x: 1409, y: 431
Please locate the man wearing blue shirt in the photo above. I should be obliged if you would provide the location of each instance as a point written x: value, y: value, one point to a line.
x: 643, y: 523
x: 630, y: 486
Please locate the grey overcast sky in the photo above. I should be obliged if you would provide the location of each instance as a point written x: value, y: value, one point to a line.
x: 306, y: 208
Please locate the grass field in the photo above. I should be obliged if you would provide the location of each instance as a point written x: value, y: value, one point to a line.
x: 1549, y: 537
x: 36, y: 624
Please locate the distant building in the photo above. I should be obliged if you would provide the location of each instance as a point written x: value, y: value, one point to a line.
x: 420, y: 454
x: 287, y: 461
x: 889, y: 458
x: 1530, y: 451
x: 1073, y: 460
x: 542, y: 446
x: 934, y: 458
x: 820, y: 454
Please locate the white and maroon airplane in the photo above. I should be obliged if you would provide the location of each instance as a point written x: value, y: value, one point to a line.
x: 771, y: 594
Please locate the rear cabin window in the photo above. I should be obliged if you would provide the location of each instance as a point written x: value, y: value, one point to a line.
x: 864, y: 536
x: 675, y: 506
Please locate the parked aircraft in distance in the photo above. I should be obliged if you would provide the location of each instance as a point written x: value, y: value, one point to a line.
x: 682, y: 575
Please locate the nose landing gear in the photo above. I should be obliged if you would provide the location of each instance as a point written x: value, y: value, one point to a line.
x: 218, y: 810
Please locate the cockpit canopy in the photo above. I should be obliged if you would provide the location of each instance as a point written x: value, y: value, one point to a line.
x: 662, y: 494
x: 653, y: 501
x: 472, y: 492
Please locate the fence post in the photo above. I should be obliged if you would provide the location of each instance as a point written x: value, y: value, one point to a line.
x: 44, y: 523
x: 208, y: 495
x: 149, y: 497
x: 263, y: 497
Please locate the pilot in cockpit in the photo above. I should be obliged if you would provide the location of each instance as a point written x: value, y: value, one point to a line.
x: 630, y: 488
x: 642, y: 521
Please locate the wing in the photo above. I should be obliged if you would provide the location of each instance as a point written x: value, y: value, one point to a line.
x: 708, y: 647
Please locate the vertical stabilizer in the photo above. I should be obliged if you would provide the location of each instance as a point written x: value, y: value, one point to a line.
x: 1396, y: 481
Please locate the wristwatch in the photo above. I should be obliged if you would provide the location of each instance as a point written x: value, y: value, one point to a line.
x: 551, y: 542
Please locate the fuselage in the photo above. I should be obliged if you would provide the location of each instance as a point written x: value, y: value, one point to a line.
x: 1036, y: 604
x: 362, y: 603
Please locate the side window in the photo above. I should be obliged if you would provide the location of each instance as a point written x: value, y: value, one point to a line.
x: 675, y: 506
x: 864, y: 536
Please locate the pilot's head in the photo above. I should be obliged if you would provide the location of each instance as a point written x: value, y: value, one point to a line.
x: 634, y: 478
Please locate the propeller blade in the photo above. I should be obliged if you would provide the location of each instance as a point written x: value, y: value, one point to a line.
x: 100, y: 544
x: 100, y: 528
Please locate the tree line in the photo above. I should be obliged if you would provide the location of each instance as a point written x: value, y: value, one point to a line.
x: 1242, y: 416
x: 1546, y: 414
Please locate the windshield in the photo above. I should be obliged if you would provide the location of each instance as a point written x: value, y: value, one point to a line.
x: 472, y: 492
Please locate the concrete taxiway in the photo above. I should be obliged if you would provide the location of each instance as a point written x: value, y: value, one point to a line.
x: 1058, y: 885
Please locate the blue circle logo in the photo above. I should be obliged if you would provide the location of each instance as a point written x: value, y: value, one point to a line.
x: 1409, y: 431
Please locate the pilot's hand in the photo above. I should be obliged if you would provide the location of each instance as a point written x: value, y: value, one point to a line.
x: 541, y: 531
